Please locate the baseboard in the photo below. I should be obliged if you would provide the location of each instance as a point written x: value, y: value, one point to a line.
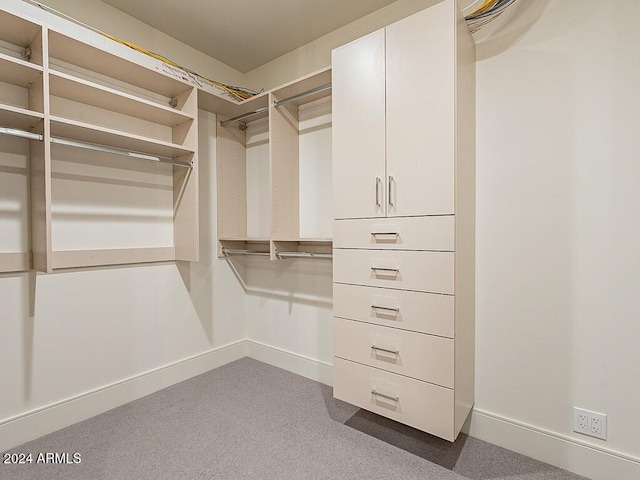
x: 592, y: 461
x: 307, y: 367
x: 30, y: 425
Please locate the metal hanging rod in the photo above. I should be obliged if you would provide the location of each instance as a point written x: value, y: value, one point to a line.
x: 308, y: 93
x: 239, y: 251
x: 237, y: 118
x: 93, y: 146
x: 304, y: 255
x: 14, y: 132
x: 118, y: 151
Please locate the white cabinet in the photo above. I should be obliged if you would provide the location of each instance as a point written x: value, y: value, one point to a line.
x: 404, y: 149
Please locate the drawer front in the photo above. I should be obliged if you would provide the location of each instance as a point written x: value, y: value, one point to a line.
x: 415, y: 311
x: 415, y: 355
x: 420, y: 271
x: 408, y: 233
x: 418, y: 404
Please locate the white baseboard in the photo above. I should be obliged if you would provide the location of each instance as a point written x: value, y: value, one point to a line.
x: 30, y: 425
x: 307, y: 367
x: 592, y: 461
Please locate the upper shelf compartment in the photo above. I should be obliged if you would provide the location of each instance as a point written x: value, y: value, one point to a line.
x: 90, y: 93
x: 20, y: 38
x: 87, y: 58
x: 304, y: 90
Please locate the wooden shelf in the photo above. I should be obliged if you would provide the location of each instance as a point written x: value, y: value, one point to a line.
x: 17, y: 117
x: 84, y: 91
x: 94, y: 59
x: 74, y: 130
x: 16, y: 30
x: 120, y: 256
x: 17, y: 71
x: 304, y: 84
x: 302, y: 241
x: 15, y: 262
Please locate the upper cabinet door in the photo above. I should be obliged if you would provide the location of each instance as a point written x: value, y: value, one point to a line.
x: 420, y: 81
x: 358, y: 116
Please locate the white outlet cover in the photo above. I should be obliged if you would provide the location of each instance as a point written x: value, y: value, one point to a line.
x: 593, y: 419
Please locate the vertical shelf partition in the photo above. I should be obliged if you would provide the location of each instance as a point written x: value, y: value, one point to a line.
x: 22, y: 128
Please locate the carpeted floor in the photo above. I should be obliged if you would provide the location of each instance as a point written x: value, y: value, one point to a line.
x: 248, y: 420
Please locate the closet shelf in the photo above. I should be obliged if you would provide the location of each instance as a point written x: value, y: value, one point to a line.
x: 17, y: 71
x: 297, y: 92
x: 84, y: 132
x: 95, y: 59
x: 20, y: 118
x: 84, y: 91
x: 16, y: 30
x: 121, y: 256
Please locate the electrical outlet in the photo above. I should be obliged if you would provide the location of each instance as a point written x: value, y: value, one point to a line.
x: 590, y: 423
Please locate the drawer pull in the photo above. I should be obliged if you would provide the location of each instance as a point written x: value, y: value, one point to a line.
x: 381, y: 269
x: 377, y: 307
x: 375, y: 234
x: 383, y: 395
x: 395, y: 352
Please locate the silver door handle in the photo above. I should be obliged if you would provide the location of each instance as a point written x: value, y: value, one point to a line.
x: 384, y: 395
x: 391, y: 181
x: 377, y: 307
x: 395, y: 352
x: 395, y: 270
x: 378, y: 183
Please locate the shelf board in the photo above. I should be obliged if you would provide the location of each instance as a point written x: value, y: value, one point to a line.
x: 17, y: 71
x: 221, y: 105
x: 21, y: 118
x: 16, y: 30
x: 84, y: 91
x: 244, y: 239
x: 304, y: 84
x: 75, y: 130
x: 15, y: 262
x: 95, y: 59
x: 305, y: 240
x: 120, y: 256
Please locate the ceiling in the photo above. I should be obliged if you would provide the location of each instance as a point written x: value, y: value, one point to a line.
x: 245, y: 34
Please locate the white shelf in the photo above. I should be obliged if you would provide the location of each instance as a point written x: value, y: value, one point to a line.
x: 305, y: 84
x: 17, y: 71
x: 102, y: 62
x: 16, y: 117
x: 74, y: 130
x: 84, y: 91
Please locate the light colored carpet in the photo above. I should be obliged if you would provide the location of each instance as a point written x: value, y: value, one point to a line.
x: 248, y: 420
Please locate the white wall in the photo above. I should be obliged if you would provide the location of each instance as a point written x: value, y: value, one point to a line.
x: 557, y: 257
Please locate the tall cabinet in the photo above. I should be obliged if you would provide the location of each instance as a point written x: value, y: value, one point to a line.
x: 404, y: 209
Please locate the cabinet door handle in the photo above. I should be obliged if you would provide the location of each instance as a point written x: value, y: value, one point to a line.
x: 375, y: 234
x: 378, y: 183
x: 377, y: 307
x: 395, y: 352
x: 391, y: 182
x: 384, y: 395
x: 381, y: 269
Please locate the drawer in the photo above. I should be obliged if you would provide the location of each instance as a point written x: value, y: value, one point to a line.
x: 416, y: 355
x: 418, y: 404
x: 408, y: 233
x: 420, y: 271
x: 416, y: 311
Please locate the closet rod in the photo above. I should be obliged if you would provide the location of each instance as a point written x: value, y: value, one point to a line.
x: 239, y: 251
x: 237, y: 118
x: 14, y: 132
x: 304, y: 255
x: 308, y: 93
x: 118, y: 151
